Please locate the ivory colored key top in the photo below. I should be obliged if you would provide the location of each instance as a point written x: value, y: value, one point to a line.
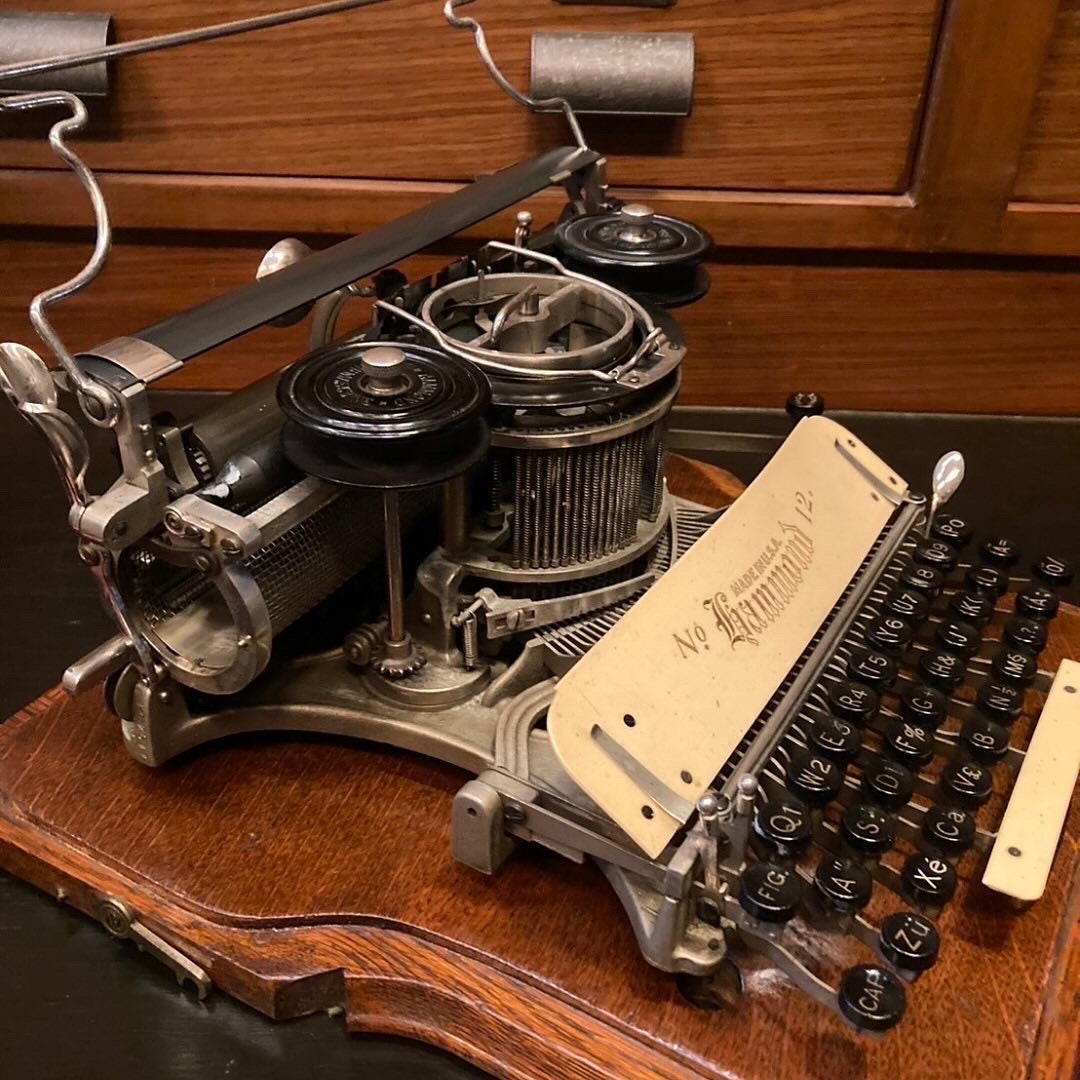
x: 1024, y: 850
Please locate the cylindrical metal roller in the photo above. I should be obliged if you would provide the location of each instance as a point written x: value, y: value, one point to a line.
x: 616, y: 74
x: 30, y: 35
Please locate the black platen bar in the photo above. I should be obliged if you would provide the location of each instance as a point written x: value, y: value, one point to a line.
x: 201, y: 328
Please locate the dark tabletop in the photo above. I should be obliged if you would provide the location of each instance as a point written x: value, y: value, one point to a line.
x: 74, y: 1002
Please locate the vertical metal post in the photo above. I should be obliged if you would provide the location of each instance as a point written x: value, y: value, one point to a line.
x: 395, y: 575
x: 455, y: 514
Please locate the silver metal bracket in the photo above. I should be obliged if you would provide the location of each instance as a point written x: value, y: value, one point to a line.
x: 121, y: 922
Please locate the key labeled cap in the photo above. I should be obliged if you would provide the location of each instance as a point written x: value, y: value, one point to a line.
x: 943, y: 670
x: 936, y: 553
x: 967, y: 783
x: 923, y: 578
x: 813, y: 777
x: 948, y: 829
x: 770, y: 892
x: 872, y: 668
x: 953, y: 530
x: 1000, y: 701
x: 783, y: 825
x: 991, y: 580
x: 909, y: 941
x: 923, y: 705
x: 887, y: 783
x: 843, y: 885
x: 910, y: 745
x: 927, y: 880
x: 834, y: 738
x: 871, y: 998
x: 911, y: 605
x: 976, y: 608
x: 853, y: 701
x: 956, y: 636
x: 1055, y: 572
x: 1037, y: 602
x: 889, y: 634
x: 1025, y: 633
x: 867, y: 829
x: 984, y: 739
x: 999, y: 551
x: 1012, y: 665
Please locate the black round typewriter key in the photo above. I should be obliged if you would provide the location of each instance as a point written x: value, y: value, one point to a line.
x: 991, y: 580
x: 958, y: 637
x: 972, y: 607
x: 924, y: 578
x: 952, y: 530
x: 889, y: 634
x: 909, y: 941
x: 853, y: 701
x: 783, y: 825
x: 871, y: 997
x: 867, y: 829
x: 936, y: 553
x: 967, y: 783
x: 1053, y: 571
x: 985, y: 740
x: 948, y: 829
x: 873, y: 668
x: 910, y: 604
x: 843, y: 884
x: 1024, y: 633
x: 927, y: 880
x: 1016, y: 666
x: 999, y: 551
x: 910, y: 745
x: 943, y: 670
x: 887, y: 783
x: 770, y: 892
x: 1037, y: 602
x: 834, y: 738
x: 813, y: 777
x: 923, y: 705
x: 1000, y: 701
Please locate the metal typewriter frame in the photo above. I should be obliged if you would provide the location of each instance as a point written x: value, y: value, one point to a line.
x: 681, y: 905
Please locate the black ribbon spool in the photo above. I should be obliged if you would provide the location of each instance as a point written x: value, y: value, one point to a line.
x: 652, y: 256
x: 415, y: 423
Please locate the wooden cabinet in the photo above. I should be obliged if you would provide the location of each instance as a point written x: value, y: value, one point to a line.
x: 891, y: 183
x: 797, y: 95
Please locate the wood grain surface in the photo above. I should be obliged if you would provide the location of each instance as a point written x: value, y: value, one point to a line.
x: 305, y: 873
x: 867, y: 337
x: 789, y: 94
x: 1050, y: 166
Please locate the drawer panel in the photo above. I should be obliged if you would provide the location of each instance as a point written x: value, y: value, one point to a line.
x: 865, y: 337
x: 1050, y: 165
x: 790, y: 94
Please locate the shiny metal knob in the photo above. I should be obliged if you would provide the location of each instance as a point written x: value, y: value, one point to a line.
x: 283, y: 254
x: 638, y: 213
x: 384, y: 371
x: 948, y: 475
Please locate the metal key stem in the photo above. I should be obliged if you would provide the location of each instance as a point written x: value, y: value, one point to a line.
x: 178, y: 38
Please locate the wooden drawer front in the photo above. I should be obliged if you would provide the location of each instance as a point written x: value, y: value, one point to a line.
x: 790, y: 94
x: 1050, y: 166
x: 868, y: 338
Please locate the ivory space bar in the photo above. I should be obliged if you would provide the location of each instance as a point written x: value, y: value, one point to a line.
x: 1019, y: 864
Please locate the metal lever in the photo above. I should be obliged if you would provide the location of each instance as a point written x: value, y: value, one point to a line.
x: 120, y: 921
x: 174, y: 40
x: 465, y: 23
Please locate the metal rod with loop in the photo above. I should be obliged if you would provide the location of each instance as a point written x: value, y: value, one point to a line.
x: 466, y: 23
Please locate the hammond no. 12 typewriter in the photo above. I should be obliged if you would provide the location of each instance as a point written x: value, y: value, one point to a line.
x: 779, y: 727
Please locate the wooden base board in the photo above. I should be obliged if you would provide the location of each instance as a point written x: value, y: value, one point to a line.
x: 305, y: 873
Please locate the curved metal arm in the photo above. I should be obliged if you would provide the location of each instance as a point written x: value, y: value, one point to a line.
x: 466, y: 23
x: 96, y: 399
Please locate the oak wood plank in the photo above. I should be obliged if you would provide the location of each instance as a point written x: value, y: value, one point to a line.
x: 790, y: 94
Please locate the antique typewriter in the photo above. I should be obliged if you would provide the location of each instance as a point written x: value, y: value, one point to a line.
x: 772, y: 727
